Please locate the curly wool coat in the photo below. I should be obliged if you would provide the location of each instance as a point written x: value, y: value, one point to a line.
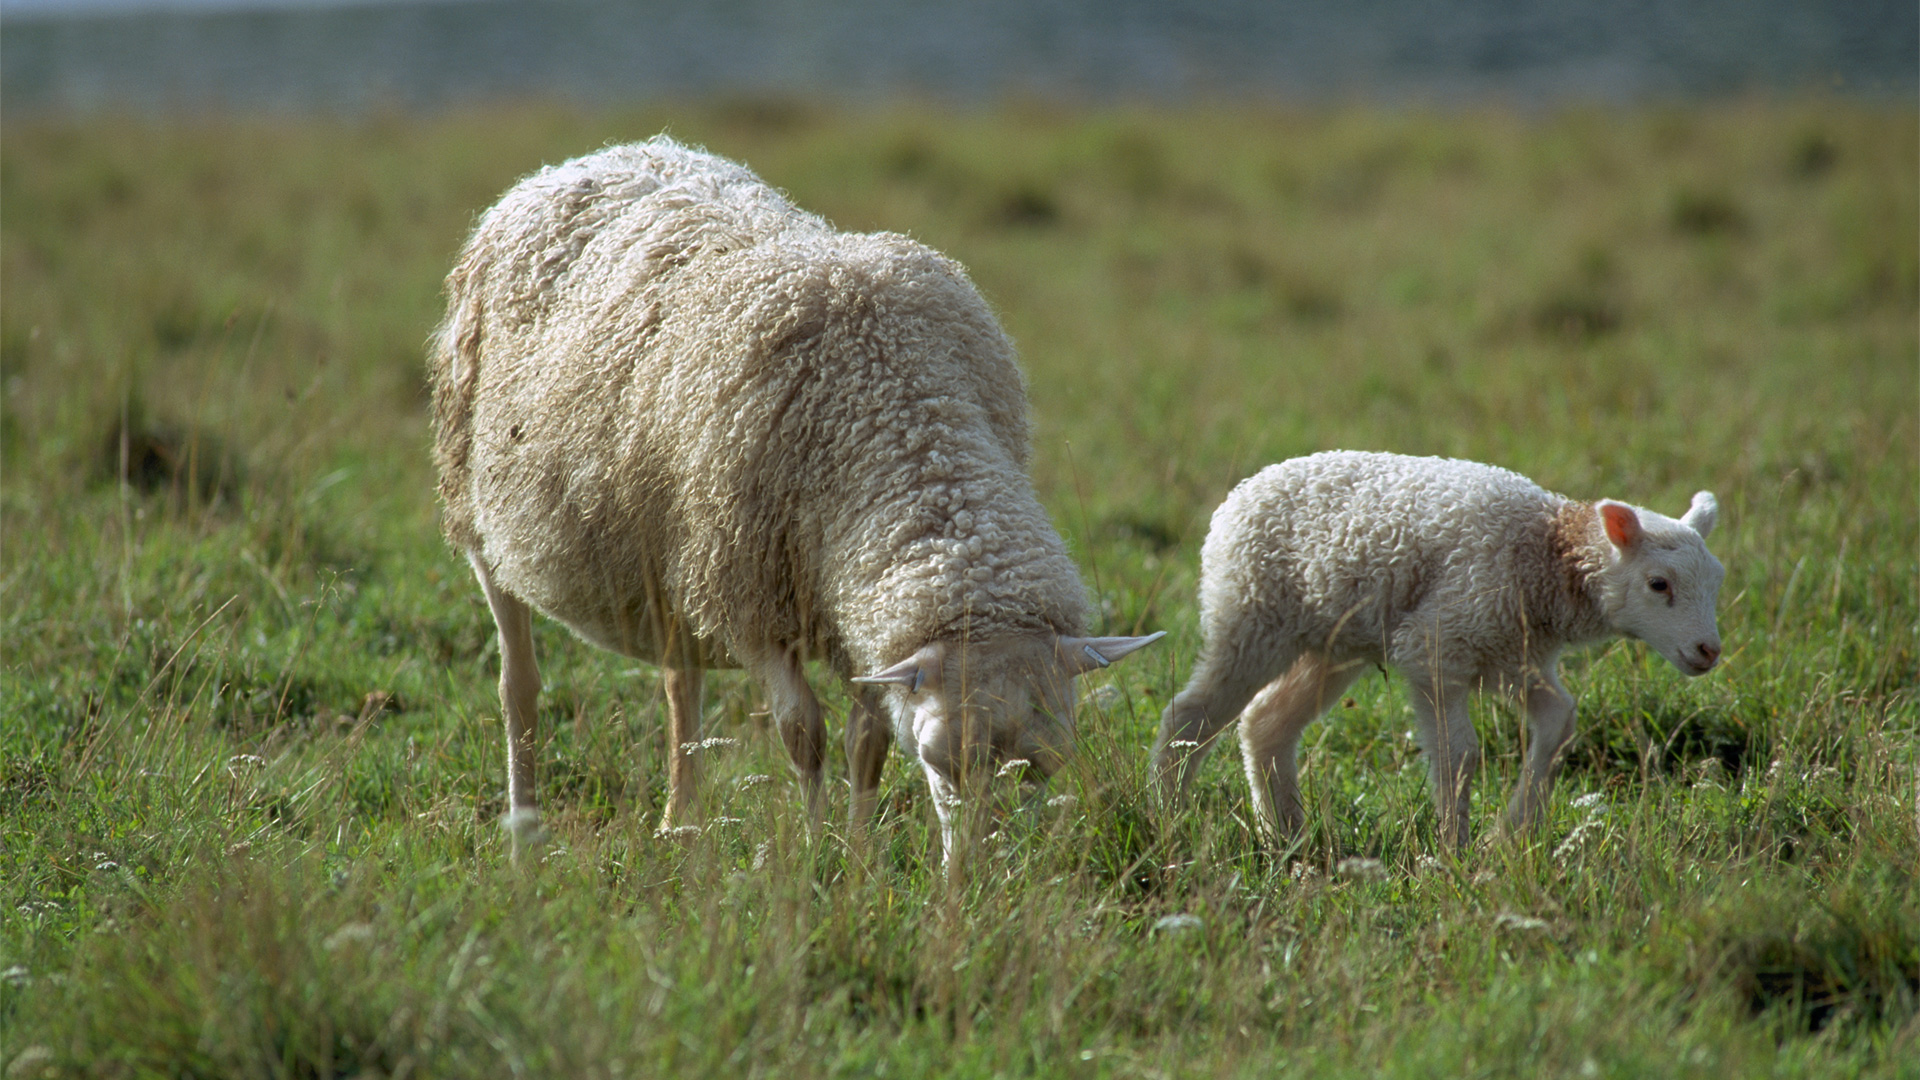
x: 667, y: 400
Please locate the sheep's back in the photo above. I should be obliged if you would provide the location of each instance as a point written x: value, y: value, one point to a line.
x: 680, y: 391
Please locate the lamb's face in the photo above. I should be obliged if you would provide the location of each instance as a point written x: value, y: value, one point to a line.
x: 1664, y: 582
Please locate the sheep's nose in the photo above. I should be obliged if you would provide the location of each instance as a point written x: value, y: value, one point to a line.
x: 1709, y: 652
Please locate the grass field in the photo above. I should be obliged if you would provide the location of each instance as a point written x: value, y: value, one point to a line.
x: 250, y: 761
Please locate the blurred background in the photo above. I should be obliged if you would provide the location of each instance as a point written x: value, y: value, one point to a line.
x: 249, y: 762
x: 288, y: 54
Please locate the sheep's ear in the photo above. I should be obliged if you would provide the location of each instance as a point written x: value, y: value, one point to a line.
x: 1702, y: 514
x: 1623, y: 525
x: 1084, y: 654
x: 913, y: 673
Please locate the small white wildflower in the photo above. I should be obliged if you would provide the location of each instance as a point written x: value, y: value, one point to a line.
x: 1591, y: 798
x: 1305, y: 871
x: 1577, y: 837
x: 1177, y: 924
x: 1426, y: 864
x: 718, y: 742
x: 1063, y: 802
x: 753, y: 780
x: 761, y: 854
x: 1184, y: 744
x: 1012, y: 766
x: 724, y: 821
x: 678, y: 832
x: 239, y: 763
x: 1361, y: 869
x: 1507, y: 920
x: 103, y: 861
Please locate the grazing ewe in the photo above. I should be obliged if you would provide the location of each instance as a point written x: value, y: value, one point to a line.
x: 702, y: 428
x: 1459, y: 575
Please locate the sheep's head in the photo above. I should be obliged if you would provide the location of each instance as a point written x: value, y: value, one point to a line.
x: 1662, y: 582
x: 969, y: 707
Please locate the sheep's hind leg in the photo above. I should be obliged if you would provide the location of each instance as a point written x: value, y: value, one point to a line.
x: 519, y: 700
x: 683, y: 747
x: 1220, y: 688
x: 868, y: 738
x: 1550, y: 721
x: 1270, y: 729
x: 1453, y: 753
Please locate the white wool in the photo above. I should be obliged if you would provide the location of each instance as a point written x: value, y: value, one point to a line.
x: 703, y: 428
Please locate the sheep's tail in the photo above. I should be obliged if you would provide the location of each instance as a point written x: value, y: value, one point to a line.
x: 453, y: 371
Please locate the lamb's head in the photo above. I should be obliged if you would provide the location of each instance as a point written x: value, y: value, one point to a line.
x: 1661, y: 583
x: 969, y: 707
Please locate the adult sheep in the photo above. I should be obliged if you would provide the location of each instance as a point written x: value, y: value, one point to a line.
x: 1458, y: 575
x: 702, y: 428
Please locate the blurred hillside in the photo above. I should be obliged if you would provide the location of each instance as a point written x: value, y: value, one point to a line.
x: 92, y: 54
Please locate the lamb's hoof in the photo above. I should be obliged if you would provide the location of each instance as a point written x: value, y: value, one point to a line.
x: 525, y: 832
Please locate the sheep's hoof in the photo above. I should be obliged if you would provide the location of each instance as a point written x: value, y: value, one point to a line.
x: 525, y: 832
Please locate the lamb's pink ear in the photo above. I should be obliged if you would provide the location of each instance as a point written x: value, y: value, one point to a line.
x: 1702, y: 514
x: 1084, y: 654
x: 1623, y: 525
x: 913, y: 673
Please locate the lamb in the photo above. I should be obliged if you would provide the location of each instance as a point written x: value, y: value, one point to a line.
x: 702, y: 428
x: 1461, y: 576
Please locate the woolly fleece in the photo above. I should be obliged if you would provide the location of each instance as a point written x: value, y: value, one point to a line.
x: 665, y: 396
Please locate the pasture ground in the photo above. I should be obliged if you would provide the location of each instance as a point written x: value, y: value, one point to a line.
x: 249, y: 757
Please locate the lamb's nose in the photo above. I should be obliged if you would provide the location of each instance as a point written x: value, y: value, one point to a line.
x: 1709, y: 652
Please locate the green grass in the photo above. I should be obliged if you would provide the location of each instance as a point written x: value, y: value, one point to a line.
x: 249, y: 756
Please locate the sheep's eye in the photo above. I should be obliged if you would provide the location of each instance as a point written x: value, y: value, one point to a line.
x: 1658, y: 584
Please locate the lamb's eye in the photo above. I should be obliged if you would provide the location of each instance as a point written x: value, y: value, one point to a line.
x: 1658, y: 584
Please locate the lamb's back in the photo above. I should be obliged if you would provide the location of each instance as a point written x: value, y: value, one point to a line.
x: 1355, y: 544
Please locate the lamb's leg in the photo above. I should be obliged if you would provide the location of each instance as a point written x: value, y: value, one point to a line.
x: 868, y: 738
x: 519, y: 700
x: 1550, y: 717
x: 796, y: 714
x: 1270, y: 729
x: 1453, y: 751
x: 683, y: 737
x: 1221, y: 686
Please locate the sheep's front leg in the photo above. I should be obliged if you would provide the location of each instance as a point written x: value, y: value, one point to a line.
x: 1270, y: 731
x: 683, y: 738
x: 1453, y: 751
x: 868, y: 737
x: 519, y: 701
x: 948, y: 805
x: 1224, y: 682
x: 1550, y: 718
x: 796, y: 714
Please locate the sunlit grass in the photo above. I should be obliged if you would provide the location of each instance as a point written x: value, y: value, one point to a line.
x: 249, y: 760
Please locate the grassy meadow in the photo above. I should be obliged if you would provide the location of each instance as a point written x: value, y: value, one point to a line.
x: 250, y: 757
